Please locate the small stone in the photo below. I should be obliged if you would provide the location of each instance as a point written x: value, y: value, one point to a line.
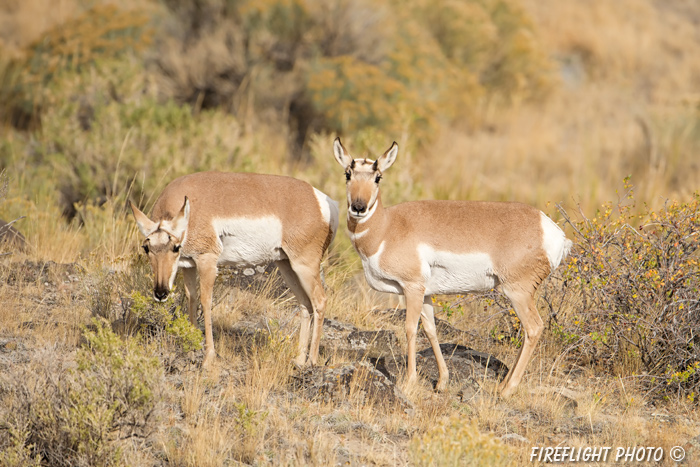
x: 260, y: 269
x: 248, y: 272
x: 514, y: 437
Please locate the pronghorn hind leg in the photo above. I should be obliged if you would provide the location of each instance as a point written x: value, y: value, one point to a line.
x: 189, y: 276
x: 524, y: 304
x: 292, y: 280
x: 206, y: 264
x: 309, y: 275
x: 428, y: 318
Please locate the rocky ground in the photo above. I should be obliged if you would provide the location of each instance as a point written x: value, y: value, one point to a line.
x: 365, y: 366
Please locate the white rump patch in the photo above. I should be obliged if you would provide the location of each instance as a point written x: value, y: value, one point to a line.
x: 445, y: 272
x: 249, y: 242
x: 329, y: 210
x: 554, y: 242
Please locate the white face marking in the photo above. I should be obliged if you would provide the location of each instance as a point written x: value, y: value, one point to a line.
x: 249, y: 242
x: 554, y: 242
x: 367, y: 214
x: 376, y: 277
x: 445, y: 272
x: 363, y: 168
x: 171, y: 281
x: 159, y: 239
x: 172, y: 230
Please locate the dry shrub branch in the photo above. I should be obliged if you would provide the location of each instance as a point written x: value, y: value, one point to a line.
x: 635, y: 275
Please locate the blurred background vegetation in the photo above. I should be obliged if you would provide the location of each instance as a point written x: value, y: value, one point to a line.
x: 526, y: 100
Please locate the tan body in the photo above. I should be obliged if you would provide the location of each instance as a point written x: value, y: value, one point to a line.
x: 207, y: 219
x: 423, y: 248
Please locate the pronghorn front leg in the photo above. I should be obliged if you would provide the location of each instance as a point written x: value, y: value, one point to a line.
x: 414, y: 306
x: 428, y: 318
x: 206, y: 264
x: 190, y: 278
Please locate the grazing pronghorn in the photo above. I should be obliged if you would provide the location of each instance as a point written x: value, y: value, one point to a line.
x: 421, y: 248
x: 208, y: 219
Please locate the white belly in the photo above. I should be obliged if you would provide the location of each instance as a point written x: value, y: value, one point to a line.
x: 452, y: 273
x: 376, y: 277
x: 249, y: 242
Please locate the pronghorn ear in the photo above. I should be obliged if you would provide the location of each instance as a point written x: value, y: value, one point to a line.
x: 179, y: 224
x: 341, y: 155
x: 388, y: 158
x: 146, y: 226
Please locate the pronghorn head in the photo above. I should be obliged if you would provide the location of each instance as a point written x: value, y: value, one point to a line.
x: 363, y: 176
x: 163, y: 242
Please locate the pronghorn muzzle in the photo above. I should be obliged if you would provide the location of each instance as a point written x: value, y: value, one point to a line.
x: 160, y: 293
x: 359, y: 206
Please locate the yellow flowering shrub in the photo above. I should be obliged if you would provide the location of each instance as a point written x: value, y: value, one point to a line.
x: 636, y: 274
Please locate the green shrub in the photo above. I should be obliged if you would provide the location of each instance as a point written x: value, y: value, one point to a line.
x: 635, y: 275
x: 18, y: 452
x: 102, y: 32
x: 81, y: 413
x: 456, y: 442
x: 165, y: 320
x: 186, y: 336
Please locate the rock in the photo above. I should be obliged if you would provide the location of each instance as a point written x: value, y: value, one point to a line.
x: 567, y: 397
x: 463, y: 363
x: 44, y: 272
x: 446, y: 332
x: 356, y: 379
x: 514, y: 438
x: 356, y: 344
x: 471, y: 390
x: 692, y: 452
x: 262, y: 278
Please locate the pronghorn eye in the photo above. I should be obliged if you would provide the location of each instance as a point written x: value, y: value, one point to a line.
x: 176, y: 248
x: 377, y: 178
x: 145, y: 248
x: 347, y: 176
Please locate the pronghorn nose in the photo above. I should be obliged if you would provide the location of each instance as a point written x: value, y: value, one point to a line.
x: 160, y: 294
x: 359, y: 206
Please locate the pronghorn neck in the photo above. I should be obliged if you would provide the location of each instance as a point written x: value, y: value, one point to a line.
x: 368, y: 232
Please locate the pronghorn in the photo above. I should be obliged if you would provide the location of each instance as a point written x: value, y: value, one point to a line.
x: 207, y: 219
x: 421, y: 248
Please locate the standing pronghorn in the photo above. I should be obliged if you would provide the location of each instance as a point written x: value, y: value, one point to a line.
x: 208, y: 219
x: 422, y: 248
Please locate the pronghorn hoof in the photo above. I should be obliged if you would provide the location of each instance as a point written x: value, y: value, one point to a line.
x: 208, y: 360
x: 506, y: 392
x: 440, y: 386
x: 300, y: 363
